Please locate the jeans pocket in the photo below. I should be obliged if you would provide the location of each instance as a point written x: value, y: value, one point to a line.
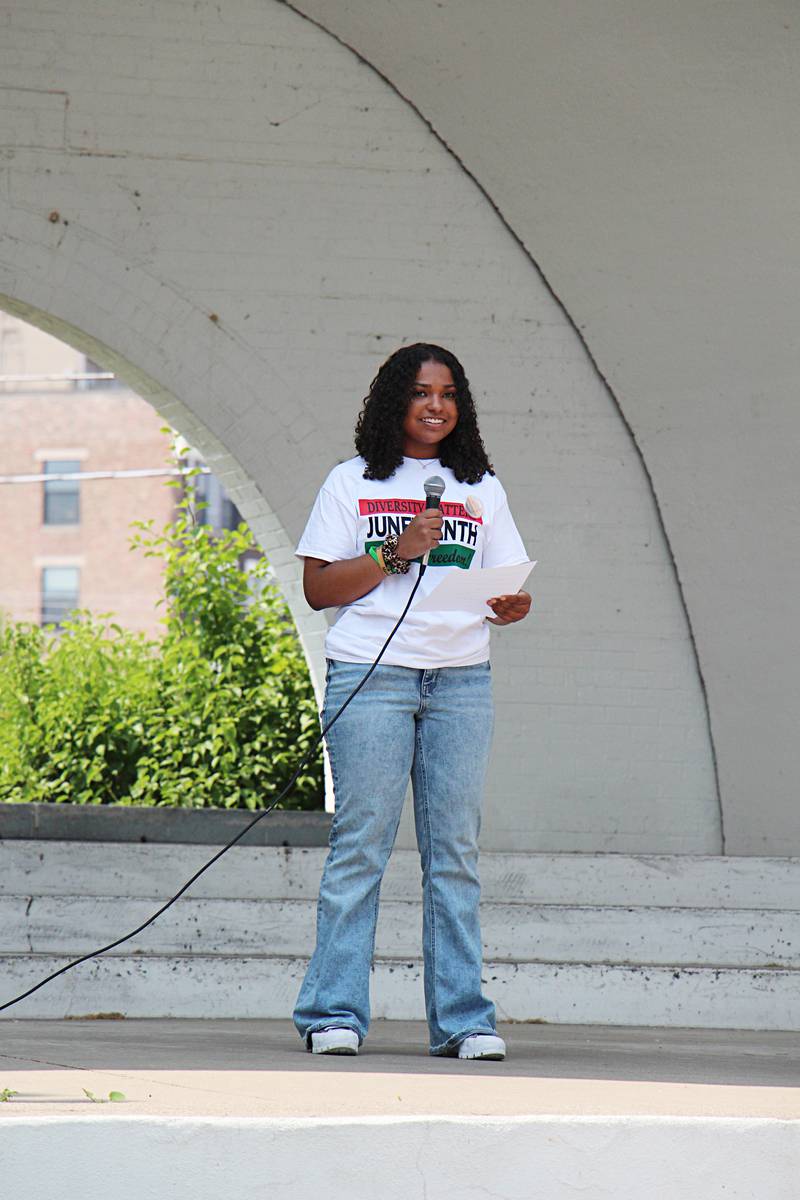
x: 340, y: 680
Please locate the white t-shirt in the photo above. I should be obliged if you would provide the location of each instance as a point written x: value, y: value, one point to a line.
x: 351, y: 513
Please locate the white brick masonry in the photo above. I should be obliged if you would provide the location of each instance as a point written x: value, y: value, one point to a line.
x: 645, y: 156
x: 229, y: 209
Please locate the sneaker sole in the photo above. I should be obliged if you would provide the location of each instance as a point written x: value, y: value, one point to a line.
x: 471, y: 1057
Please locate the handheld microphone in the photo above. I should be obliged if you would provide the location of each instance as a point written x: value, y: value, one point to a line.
x: 434, y: 488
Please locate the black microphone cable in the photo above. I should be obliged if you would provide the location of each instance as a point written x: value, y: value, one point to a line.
x: 104, y: 949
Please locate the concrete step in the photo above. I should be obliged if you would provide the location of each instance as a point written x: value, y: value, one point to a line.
x: 656, y: 939
x: 74, y: 925
x: 244, y: 987
x: 131, y: 869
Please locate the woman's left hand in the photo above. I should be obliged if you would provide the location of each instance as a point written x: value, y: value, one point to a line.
x: 508, y: 609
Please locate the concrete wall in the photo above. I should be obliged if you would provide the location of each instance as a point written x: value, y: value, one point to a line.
x: 403, y: 1158
x: 230, y: 209
x: 645, y: 154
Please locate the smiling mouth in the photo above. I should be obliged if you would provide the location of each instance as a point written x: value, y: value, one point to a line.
x: 432, y: 420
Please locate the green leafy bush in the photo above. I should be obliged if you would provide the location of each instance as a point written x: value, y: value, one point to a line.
x: 217, y: 714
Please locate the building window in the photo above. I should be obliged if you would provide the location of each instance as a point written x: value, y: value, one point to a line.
x: 62, y: 496
x: 60, y: 587
x: 220, y: 512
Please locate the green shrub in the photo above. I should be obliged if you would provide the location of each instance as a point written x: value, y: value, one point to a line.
x: 217, y: 714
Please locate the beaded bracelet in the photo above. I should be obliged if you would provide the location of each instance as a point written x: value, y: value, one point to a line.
x: 392, y: 563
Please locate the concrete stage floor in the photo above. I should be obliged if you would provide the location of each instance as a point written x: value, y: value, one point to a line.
x: 196, y: 1068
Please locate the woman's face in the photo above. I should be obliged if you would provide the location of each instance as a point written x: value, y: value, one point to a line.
x: 432, y: 411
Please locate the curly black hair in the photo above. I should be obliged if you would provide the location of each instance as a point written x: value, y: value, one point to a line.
x: 379, y: 429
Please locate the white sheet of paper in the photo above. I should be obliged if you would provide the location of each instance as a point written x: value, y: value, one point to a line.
x: 468, y: 591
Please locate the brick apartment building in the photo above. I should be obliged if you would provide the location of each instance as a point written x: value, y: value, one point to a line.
x: 64, y: 542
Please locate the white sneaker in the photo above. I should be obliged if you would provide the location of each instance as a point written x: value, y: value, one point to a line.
x: 482, y: 1045
x: 335, y: 1039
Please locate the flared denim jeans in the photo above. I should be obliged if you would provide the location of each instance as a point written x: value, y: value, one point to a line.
x: 436, y: 727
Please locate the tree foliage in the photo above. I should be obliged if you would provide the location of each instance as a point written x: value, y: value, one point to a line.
x: 218, y: 713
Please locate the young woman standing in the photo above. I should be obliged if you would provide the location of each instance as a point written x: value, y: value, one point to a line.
x: 426, y: 711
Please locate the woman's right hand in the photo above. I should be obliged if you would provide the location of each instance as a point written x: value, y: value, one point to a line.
x: 422, y: 535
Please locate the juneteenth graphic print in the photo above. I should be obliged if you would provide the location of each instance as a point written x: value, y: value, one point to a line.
x: 459, y: 529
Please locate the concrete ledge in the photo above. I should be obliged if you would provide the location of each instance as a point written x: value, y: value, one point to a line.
x: 224, y: 1068
x: 119, y: 823
x: 229, y: 1108
x: 402, y: 1158
x: 217, y: 986
x: 613, y: 880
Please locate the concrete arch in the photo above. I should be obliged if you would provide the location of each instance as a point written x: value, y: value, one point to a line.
x: 250, y: 501
x: 243, y: 239
x: 646, y: 156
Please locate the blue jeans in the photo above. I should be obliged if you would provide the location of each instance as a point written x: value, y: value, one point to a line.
x: 435, y: 725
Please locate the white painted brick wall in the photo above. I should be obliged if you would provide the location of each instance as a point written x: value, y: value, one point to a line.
x: 234, y: 160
